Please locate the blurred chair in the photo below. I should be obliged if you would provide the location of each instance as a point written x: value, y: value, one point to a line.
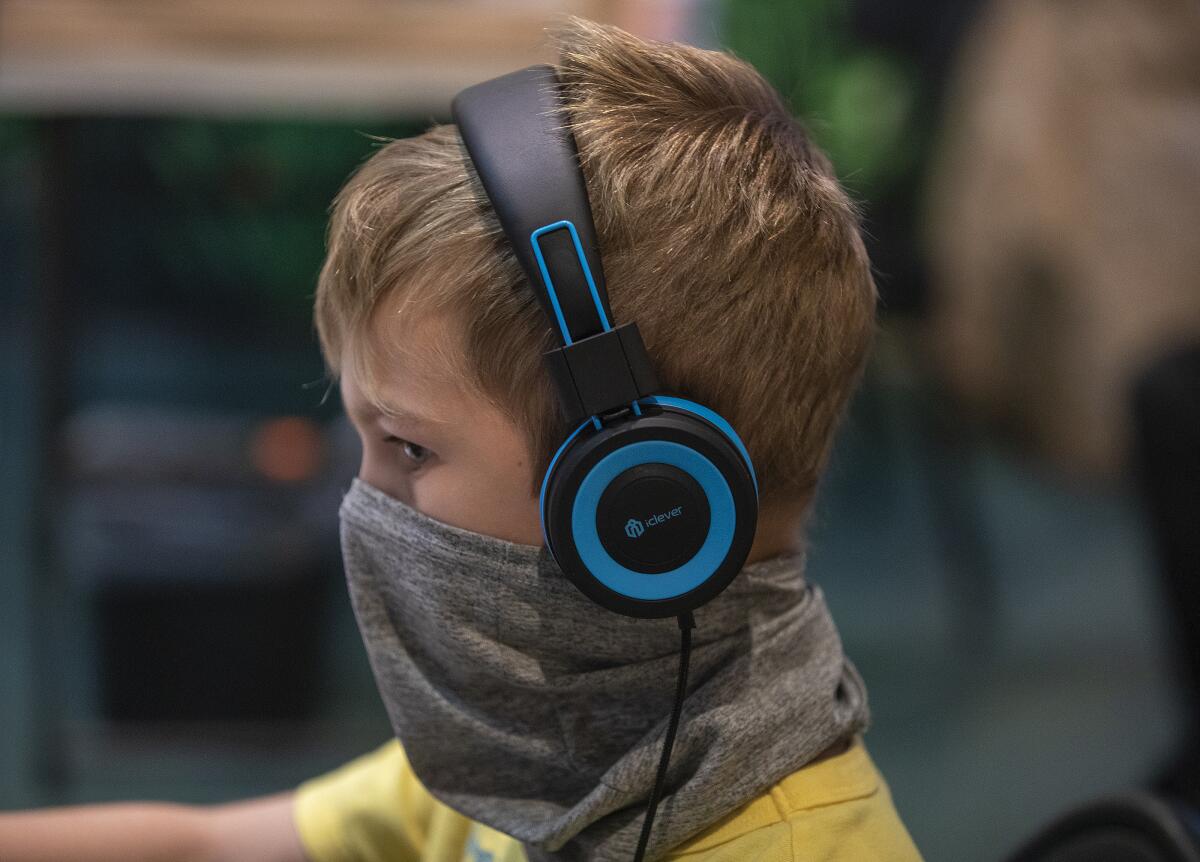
x: 1166, y: 416
x: 1161, y: 824
x: 1135, y: 827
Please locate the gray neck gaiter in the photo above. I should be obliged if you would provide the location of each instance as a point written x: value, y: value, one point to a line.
x: 527, y: 707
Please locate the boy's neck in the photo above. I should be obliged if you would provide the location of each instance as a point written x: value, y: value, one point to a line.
x: 780, y: 530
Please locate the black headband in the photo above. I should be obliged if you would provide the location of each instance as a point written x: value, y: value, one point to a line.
x: 527, y: 161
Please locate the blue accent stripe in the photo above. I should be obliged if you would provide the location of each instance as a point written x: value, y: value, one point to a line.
x: 546, y: 478
x: 713, y: 417
x: 682, y: 579
x: 587, y: 273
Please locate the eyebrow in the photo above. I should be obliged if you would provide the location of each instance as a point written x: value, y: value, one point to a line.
x: 392, y: 411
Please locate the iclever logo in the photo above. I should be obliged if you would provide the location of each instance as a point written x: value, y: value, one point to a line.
x: 634, y: 528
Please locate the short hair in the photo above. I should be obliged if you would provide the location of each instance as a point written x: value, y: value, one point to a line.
x: 723, y: 232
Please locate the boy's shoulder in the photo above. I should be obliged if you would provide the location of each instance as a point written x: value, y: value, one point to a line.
x: 837, y: 808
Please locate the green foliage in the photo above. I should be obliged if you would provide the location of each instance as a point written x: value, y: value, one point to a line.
x: 857, y: 101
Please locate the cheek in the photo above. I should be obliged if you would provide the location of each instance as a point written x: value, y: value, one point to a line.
x: 486, y: 495
x: 506, y: 507
x: 483, y: 488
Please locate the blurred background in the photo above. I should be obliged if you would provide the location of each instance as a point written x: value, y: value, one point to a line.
x: 1008, y: 532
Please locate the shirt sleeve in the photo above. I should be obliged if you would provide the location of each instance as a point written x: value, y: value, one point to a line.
x: 371, y: 809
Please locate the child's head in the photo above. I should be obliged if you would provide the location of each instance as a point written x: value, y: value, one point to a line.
x: 723, y: 234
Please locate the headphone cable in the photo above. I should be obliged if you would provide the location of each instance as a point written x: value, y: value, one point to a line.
x: 686, y: 624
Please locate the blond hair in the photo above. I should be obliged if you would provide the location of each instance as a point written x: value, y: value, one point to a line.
x: 723, y: 231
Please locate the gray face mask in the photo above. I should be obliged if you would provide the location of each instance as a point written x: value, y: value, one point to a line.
x: 526, y: 707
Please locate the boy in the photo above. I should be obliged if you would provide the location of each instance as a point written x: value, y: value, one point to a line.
x: 529, y: 720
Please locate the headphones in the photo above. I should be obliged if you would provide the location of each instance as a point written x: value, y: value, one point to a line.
x: 650, y: 504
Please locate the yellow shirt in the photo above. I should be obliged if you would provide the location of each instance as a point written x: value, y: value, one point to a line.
x: 374, y: 809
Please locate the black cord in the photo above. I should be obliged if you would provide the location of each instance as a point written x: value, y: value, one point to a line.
x: 686, y: 624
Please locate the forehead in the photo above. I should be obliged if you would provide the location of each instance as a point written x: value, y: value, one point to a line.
x: 406, y: 365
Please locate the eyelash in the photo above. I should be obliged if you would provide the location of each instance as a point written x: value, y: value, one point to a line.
x: 404, y: 444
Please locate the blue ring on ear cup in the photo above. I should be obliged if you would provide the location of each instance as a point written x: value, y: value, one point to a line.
x: 712, y: 416
x: 668, y: 400
x: 546, y: 478
x: 677, y: 581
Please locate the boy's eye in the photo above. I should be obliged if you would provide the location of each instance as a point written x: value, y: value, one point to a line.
x: 413, y: 451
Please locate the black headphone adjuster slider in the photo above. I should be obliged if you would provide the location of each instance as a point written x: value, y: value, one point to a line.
x: 602, y: 372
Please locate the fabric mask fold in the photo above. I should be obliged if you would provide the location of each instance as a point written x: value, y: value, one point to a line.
x: 525, y: 706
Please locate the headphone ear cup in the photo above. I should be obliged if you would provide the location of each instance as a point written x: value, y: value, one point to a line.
x: 652, y: 515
